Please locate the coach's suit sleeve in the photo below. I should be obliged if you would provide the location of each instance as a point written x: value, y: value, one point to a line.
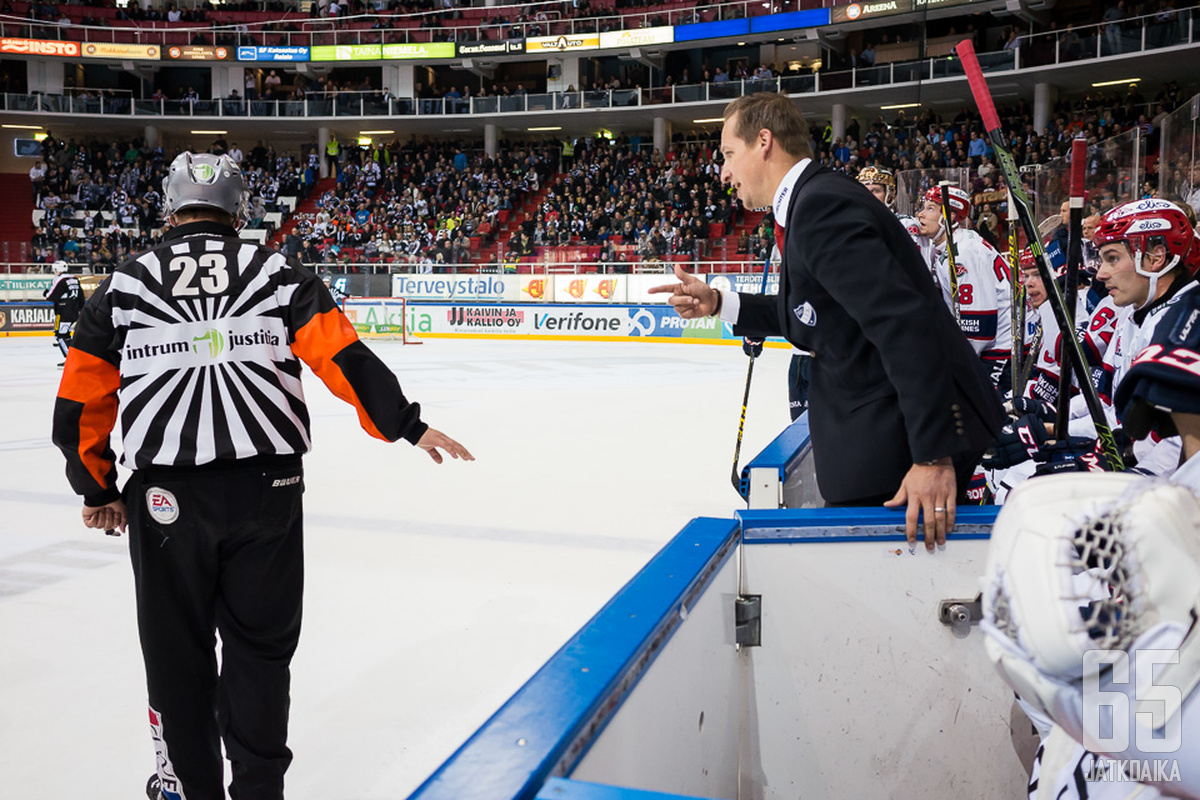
x: 846, y: 253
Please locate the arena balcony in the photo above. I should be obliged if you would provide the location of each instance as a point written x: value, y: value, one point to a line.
x: 1069, y: 58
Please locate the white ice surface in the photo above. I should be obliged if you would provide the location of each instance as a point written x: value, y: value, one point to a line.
x: 432, y: 593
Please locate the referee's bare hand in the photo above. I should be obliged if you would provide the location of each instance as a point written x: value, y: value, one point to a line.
x: 434, y: 441
x: 107, y: 517
x: 691, y: 297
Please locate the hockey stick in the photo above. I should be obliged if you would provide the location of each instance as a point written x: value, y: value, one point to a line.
x: 736, y: 476
x: 991, y: 122
x: 951, y: 261
x: 1018, y: 304
x: 1035, y: 348
x: 1074, y: 260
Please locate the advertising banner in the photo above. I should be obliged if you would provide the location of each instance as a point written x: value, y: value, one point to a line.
x: 16, y: 317
x: 745, y: 282
x: 24, y: 287
x: 638, y: 37
x: 536, y: 289
x: 589, y: 289
x: 558, y: 321
x: 637, y: 290
x: 131, y: 52
x: 346, y: 52
x: 255, y: 53
x: 563, y: 43
x: 491, y: 48
x: 459, y: 288
x: 660, y: 322
x: 39, y: 47
x: 571, y: 322
x: 425, y: 50
x: 197, y: 52
x: 857, y: 11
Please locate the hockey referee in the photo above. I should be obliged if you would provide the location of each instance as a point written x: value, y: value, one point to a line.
x: 196, y: 345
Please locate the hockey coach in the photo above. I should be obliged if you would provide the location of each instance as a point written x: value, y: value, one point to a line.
x: 899, y: 407
x: 196, y: 346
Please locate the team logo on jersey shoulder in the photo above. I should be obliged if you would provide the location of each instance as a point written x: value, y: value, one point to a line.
x: 806, y: 314
x: 162, y: 505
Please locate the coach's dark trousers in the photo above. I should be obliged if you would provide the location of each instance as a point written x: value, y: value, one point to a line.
x: 219, y: 549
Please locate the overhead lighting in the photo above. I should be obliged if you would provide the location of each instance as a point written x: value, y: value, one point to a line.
x: 364, y: 141
x: 546, y: 128
x: 741, y: 44
x: 374, y: 133
x: 899, y: 105
x: 211, y: 133
x: 1116, y: 83
x: 709, y: 119
x: 24, y: 127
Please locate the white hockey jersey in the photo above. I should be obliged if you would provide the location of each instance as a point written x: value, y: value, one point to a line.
x: 1158, y: 456
x: 984, y: 295
x: 1095, y: 333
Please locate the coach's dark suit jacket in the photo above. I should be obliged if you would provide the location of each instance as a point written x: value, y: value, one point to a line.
x: 893, y: 378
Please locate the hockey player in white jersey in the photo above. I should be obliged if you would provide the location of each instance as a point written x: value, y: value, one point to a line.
x: 1149, y: 253
x: 984, y: 293
x: 1094, y: 332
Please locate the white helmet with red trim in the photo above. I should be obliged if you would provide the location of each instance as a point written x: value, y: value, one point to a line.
x: 1148, y: 223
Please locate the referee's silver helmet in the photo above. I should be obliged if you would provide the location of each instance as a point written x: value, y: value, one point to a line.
x: 197, y: 180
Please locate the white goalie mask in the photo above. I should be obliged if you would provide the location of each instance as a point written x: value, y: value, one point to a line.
x: 1101, y: 562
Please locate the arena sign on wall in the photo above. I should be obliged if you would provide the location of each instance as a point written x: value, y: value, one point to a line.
x: 197, y: 52
x: 132, y: 52
x: 39, y: 47
x: 558, y: 321
x: 591, y: 288
x: 637, y: 37
x: 26, y: 317
x: 272, y: 53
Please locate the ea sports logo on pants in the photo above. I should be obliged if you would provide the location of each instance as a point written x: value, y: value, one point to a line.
x: 161, y: 504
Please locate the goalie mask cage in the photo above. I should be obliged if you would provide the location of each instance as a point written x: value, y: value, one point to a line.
x: 380, y: 318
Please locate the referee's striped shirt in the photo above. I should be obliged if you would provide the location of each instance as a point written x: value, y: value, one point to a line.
x: 196, y: 345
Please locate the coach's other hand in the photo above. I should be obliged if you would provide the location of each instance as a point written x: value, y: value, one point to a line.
x: 930, y: 491
x: 691, y: 297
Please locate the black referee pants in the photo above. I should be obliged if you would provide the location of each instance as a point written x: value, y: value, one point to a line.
x: 219, y: 549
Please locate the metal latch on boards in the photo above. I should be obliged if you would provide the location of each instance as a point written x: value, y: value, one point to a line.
x: 961, y: 613
x: 747, y: 617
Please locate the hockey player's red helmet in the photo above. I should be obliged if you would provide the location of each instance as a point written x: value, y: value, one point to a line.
x: 1147, y: 223
x: 960, y: 201
x: 1027, y: 261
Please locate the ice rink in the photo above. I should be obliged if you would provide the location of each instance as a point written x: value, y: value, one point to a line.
x: 432, y: 593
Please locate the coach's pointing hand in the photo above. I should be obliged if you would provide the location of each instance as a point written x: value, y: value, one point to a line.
x: 691, y: 297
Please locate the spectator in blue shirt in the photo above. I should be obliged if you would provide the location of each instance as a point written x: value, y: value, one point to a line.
x: 977, y: 148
